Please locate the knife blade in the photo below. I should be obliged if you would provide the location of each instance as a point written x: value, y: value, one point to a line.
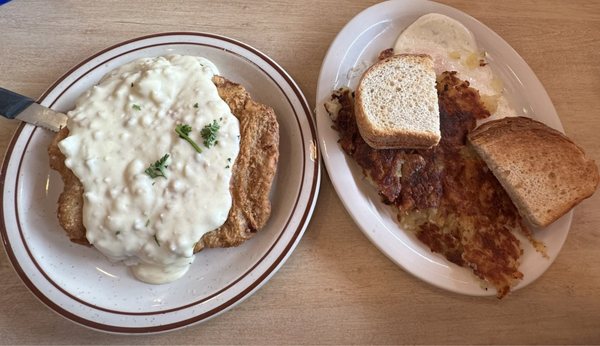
x: 16, y: 106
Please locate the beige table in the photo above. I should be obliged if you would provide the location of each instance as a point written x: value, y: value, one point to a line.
x: 336, y: 287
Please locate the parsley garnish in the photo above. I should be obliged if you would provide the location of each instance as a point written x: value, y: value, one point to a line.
x: 117, y: 232
x: 136, y: 107
x: 209, y: 133
x: 196, y: 105
x: 183, y: 131
x: 147, y: 222
x: 157, y: 169
x: 156, y: 240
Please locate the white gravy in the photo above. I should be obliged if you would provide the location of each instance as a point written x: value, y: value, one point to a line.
x: 126, y: 123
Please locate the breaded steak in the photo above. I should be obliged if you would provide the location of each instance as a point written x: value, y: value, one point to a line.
x: 253, y: 173
x: 70, y: 202
x: 253, y: 170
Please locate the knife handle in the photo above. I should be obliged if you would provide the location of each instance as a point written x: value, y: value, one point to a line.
x: 11, y: 104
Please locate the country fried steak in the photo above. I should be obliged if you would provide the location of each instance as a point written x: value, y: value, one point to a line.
x: 252, y: 174
x: 70, y: 201
x: 253, y: 171
x: 445, y: 195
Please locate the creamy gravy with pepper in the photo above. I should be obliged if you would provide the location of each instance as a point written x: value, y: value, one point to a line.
x: 138, y: 209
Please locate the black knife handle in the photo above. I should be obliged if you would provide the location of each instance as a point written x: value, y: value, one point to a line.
x: 11, y: 104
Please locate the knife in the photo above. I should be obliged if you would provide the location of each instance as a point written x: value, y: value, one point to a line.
x: 16, y: 106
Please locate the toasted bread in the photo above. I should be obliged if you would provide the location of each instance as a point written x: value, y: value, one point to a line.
x: 542, y: 170
x: 396, y: 103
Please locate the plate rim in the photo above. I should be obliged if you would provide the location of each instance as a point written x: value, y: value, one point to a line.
x: 323, y: 142
x: 305, y: 116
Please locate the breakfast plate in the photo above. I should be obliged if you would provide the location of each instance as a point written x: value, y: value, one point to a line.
x: 354, y: 49
x: 78, y: 282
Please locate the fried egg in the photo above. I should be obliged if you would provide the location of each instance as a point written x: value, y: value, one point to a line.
x: 453, y: 47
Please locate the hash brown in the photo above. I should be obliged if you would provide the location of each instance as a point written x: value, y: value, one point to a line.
x: 445, y: 195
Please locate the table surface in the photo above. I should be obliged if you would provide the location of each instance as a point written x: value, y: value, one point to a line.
x: 336, y: 287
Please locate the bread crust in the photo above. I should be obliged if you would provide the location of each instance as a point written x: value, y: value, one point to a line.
x: 252, y: 174
x: 545, y: 173
x: 399, y: 137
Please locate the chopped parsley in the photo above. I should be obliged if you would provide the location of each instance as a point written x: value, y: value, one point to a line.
x: 209, y: 133
x: 147, y: 222
x: 229, y: 159
x: 136, y: 107
x: 156, y: 240
x: 157, y: 169
x: 183, y: 130
x: 117, y: 232
x: 196, y: 105
x: 132, y: 85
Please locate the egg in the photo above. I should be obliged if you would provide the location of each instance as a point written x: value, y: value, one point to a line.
x: 453, y: 47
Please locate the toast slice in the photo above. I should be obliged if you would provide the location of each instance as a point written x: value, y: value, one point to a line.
x: 544, y: 172
x: 397, y: 105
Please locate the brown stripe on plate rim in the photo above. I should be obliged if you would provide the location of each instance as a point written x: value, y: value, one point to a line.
x: 256, y: 282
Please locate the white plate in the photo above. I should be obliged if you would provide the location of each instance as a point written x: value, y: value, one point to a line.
x: 353, y: 50
x: 81, y: 284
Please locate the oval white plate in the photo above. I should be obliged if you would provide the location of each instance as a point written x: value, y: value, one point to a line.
x: 353, y: 50
x: 81, y: 284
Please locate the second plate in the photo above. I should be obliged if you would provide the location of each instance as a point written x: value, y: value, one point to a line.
x: 354, y: 49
